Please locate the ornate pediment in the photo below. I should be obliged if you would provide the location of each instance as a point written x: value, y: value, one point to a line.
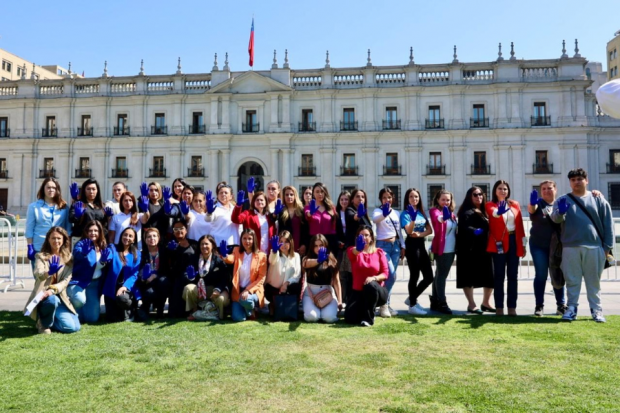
x: 250, y: 82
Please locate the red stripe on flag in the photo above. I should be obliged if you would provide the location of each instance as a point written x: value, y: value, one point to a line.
x: 251, y: 45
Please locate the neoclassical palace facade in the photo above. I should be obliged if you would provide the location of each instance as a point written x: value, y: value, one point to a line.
x: 428, y: 126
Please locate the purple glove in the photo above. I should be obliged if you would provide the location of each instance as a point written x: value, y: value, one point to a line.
x: 184, y: 207
x: 385, y: 209
x: 446, y: 214
x: 251, y: 184
x: 146, y: 272
x: 361, y: 210
x: 534, y: 198
x: 478, y: 231
x: 144, y: 189
x: 323, y: 255
x: 241, y: 197
x: 360, y: 244
x: 412, y: 212
x: 223, y: 248
x: 75, y: 191
x: 54, y: 265
x: 167, y: 193
x: 313, y: 207
x: 109, y: 212
x: 279, y: 207
x: 191, y: 272
x: 502, y: 208
x: 563, y: 206
x: 143, y: 204
x: 167, y: 207
x: 210, y: 203
x: 31, y: 252
x: 79, y: 209
x: 275, y: 243
x: 172, y: 245
x: 106, y: 256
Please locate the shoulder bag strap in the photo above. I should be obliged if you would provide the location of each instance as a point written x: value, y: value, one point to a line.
x: 585, y: 211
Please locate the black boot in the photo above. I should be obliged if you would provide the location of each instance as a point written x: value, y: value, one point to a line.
x: 444, y: 309
x: 434, y: 303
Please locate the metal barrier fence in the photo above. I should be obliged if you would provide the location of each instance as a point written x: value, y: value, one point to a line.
x: 9, y: 237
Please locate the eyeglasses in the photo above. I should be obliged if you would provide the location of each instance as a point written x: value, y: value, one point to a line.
x: 478, y: 194
x: 178, y: 229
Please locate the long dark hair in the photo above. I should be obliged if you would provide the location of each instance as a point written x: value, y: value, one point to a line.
x: 182, y: 182
x: 420, y: 206
x: 249, y: 231
x: 58, y: 198
x: 332, y: 261
x: 97, y: 202
x: 133, y: 250
x: 329, y: 205
x: 355, y: 192
x: 494, y: 194
x: 214, y: 250
x: 100, y: 243
x: 343, y: 193
x: 468, y: 204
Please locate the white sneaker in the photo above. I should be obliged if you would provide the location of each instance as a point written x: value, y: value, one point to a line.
x: 366, y: 324
x: 384, y: 311
x: 392, y: 311
x: 570, y: 314
x: 597, y: 316
x: 417, y: 310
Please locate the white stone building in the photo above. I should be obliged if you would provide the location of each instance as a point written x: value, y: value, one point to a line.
x: 414, y: 125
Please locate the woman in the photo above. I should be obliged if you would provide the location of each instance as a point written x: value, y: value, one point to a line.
x: 114, y: 204
x: 390, y: 240
x: 474, y: 267
x: 180, y: 210
x: 196, y: 223
x: 249, y: 271
x: 506, y: 244
x: 212, y: 271
x: 53, y: 266
x: 50, y: 210
x: 273, y: 194
x: 154, y: 283
x: 417, y: 228
x: 120, y: 290
x: 341, y: 224
x: 443, y: 246
x: 540, y: 241
x: 284, y: 274
x: 183, y: 253
x: 321, y: 215
x: 256, y: 219
x: 88, y: 208
x: 291, y: 218
x: 307, y: 195
x: 87, y: 283
x: 370, y: 271
x: 219, y: 215
x: 177, y: 190
x: 129, y: 217
x: 321, y: 274
x: 157, y: 216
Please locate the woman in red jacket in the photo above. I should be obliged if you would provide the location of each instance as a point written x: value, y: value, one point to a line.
x: 506, y: 244
x: 257, y: 219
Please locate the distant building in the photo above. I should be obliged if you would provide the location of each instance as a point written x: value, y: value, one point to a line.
x: 613, y: 58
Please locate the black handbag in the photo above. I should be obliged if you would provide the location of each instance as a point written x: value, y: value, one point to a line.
x: 598, y: 232
x: 286, y: 307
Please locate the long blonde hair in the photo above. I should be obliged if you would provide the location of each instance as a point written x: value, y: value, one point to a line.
x: 299, y: 207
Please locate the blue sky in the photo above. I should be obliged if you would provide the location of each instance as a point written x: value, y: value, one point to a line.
x: 123, y: 32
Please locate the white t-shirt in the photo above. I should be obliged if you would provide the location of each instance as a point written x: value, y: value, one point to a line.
x: 98, y: 267
x: 450, y: 245
x: 197, y: 226
x: 121, y: 221
x: 222, y: 227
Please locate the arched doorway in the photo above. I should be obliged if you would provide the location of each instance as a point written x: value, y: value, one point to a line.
x: 247, y: 170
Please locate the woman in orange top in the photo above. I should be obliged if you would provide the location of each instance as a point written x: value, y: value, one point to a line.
x: 250, y: 270
x: 506, y: 244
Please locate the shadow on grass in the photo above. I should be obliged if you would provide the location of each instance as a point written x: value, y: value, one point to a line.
x: 480, y: 321
x: 13, y: 324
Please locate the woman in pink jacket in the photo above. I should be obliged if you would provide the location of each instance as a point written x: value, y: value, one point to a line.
x: 443, y: 246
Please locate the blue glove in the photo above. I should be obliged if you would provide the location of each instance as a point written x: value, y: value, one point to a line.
x: 534, y: 198
x: 385, y: 209
x: 31, y: 252
x: 279, y: 207
x: 210, y: 203
x: 323, y: 255
x: 191, y: 272
x: 168, y: 207
x: 75, y: 191
x: 275, y: 243
x: 54, y: 265
x: 143, y: 204
x: 172, y: 245
x: 86, y: 246
x: 79, y: 209
x: 106, y: 256
x: 360, y: 243
x: 109, y: 212
x: 223, y: 248
x: 240, y: 198
x: 184, y: 207
x: 502, y: 208
x: 251, y: 184
x: 446, y: 214
x: 313, y: 207
x: 167, y: 193
x: 361, y: 210
x: 412, y: 212
x: 563, y: 206
x: 478, y: 231
x: 144, y: 189
x: 146, y: 272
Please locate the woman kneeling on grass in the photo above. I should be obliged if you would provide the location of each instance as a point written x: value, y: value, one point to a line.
x: 52, y: 271
x: 284, y: 269
x: 370, y: 269
x: 250, y: 269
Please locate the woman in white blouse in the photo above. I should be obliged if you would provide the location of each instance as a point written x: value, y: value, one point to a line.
x: 284, y: 269
x: 219, y: 215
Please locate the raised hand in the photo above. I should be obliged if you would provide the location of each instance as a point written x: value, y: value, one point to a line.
x: 240, y: 197
x: 109, y: 212
x: 86, y: 245
x: 146, y: 272
x: 534, y: 198
x: 275, y: 243
x: 386, y: 209
x: 563, y: 206
x: 54, y: 265
x: 143, y: 204
x: 279, y: 207
x: 478, y: 231
x: 106, y: 256
x: 251, y: 185
x: 360, y: 244
x: 184, y: 207
x: 502, y: 208
x: 323, y: 255
x: 167, y: 193
x: 75, y: 191
x: 313, y: 207
x: 172, y: 245
x: 223, y: 249
x: 31, y: 252
x: 446, y: 215
x: 412, y: 212
x: 361, y: 210
x: 144, y: 189
x: 168, y: 207
x: 79, y: 209
x: 210, y: 203
x: 191, y: 272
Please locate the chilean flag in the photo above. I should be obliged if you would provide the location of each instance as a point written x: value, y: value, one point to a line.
x: 251, y: 45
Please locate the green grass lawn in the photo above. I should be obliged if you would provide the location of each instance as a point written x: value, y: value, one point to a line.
x: 402, y: 364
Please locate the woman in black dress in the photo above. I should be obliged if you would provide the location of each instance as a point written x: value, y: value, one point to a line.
x: 474, y: 266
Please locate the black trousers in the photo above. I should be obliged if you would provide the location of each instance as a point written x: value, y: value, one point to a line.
x: 417, y: 261
x: 155, y: 293
x: 176, y: 303
x: 361, y: 304
x: 293, y: 289
x: 118, y: 308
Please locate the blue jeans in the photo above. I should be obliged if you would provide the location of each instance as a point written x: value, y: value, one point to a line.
x: 243, y: 309
x: 541, y: 267
x: 54, y: 314
x: 392, y: 251
x: 87, y: 302
x: 506, y: 265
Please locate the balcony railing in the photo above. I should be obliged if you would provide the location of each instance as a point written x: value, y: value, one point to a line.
x: 391, y: 124
x: 349, y: 125
x: 613, y: 168
x: 348, y: 171
x: 392, y: 170
x: 478, y: 122
x: 433, y: 124
x: 250, y: 127
x: 122, y: 131
x: 157, y: 172
x: 83, y: 173
x: 307, y: 171
x: 159, y: 130
x: 196, y: 129
x: 542, y: 168
x: 49, y: 132
x: 120, y: 173
x: 481, y: 169
x: 4, y: 174
x: 5, y: 133
x: 84, y: 131
x: 307, y: 127
x: 195, y: 172
x: 435, y: 170
x: 47, y: 173
x: 541, y: 120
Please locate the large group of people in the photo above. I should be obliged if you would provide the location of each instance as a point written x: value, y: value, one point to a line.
x: 218, y: 254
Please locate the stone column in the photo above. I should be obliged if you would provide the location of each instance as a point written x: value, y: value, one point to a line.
x: 275, y: 173
x: 213, y: 168
x: 286, y: 175
x: 370, y: 174
x: 226, y: 165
